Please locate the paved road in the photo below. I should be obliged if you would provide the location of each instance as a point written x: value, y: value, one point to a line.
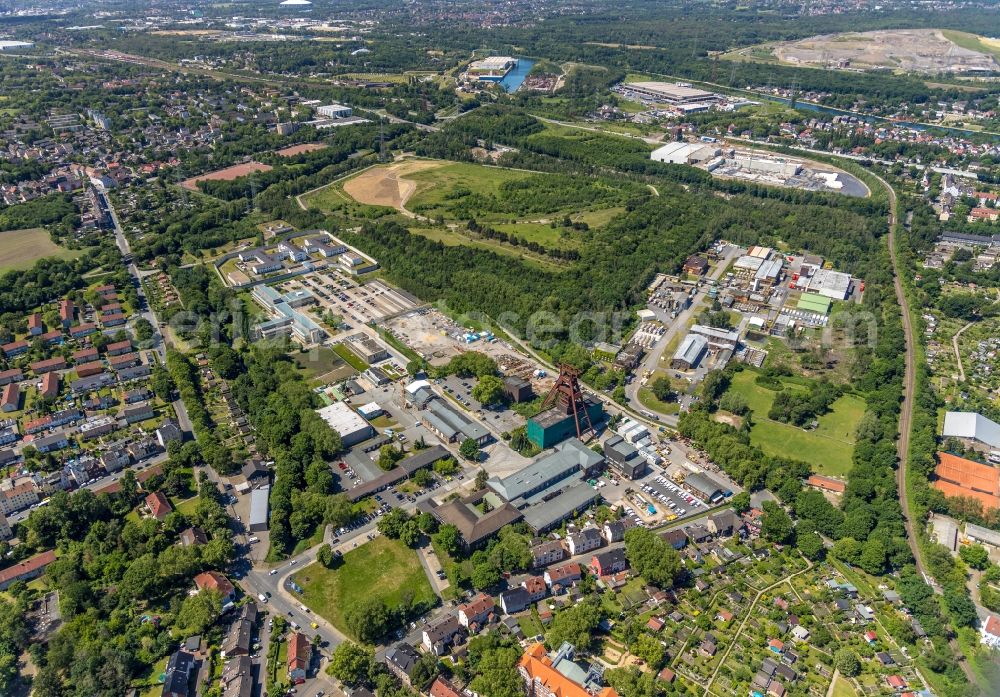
x: 906, y: 413
x: 652, y: 360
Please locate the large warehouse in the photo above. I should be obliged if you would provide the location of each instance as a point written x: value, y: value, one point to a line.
x: 348, y: 423
x: 680, y: 153
x: 831, y: 284
x: 674, y: 93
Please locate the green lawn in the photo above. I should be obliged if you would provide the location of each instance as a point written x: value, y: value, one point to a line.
x: 187, y: 507
x: 828, y: 448
x: 436, y: 188
x: 545, y: 235
x: 383, y: 568
x: 350, y: 357
x: 20, y: 249
x: 318, y: 362
x: 843, y: 688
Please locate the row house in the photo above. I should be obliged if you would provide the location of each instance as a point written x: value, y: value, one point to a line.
x: 9, y: 376
x: 48, y: 365
x: 15, y: 348
x: 82, y: 330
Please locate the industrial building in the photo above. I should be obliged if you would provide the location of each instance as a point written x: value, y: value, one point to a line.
x: 491, y: 69
x: 628, y: 358
x: 718, y: 339
x: 680, y: 153
x: 447, y: 423
x: 404, y: 469
x: 831, y: 284
x: 676, y: 93
x: 259, y: 508
x: 352, y: 428
x: 555, y: 425
x: 335, y: 111
x: 971, y: 426
x: 517, y: 389
x: 623, y: 457
x: 564, y: 504
x: 570, y: 458
x: 366, y: 348
x: 689, y: 353
x: 287, y: 319
x: 703, y: 486
x: 767, y: 165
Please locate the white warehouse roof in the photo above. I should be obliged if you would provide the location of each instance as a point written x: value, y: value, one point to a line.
x: 969, y: 424
x: 347, y: 422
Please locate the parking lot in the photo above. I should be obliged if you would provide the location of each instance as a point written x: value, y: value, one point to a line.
x: 498, y: 420
x: 361, y: 304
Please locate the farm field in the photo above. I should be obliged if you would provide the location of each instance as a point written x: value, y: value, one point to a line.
x: 20, y: 249
x: 382, y: 569
x: 828, y: 447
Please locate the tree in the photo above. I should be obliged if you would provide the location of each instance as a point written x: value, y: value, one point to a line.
x: 485, y: 576
x: 847, y: 662
x: 392, y: 523
x: 735, y: 403
x: 741, y: 502
x: 810, y: 544
x: 577, y: 624
x: 143, y: 329
x: 482, y: 476
x: 489, y: 391
x: 410, y: 534
x: 351, y: 664
x: 633, y: 682
x: 388, y: 456
x: 325, y: 556
x: 449, y: 539
x: 446, y: 467
x: 776, y: 525
x: 199, y: 611
x: 368, y: 619
x: 662, y: 390
x: 873, y: 557
x: 975, y: 556
x: 469, y: 449
x: 652, y: 557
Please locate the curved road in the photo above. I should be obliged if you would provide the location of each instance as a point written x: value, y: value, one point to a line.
x: 906, y: 413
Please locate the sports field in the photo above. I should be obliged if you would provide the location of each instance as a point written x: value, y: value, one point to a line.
x: 384, y: 569
x: 227, y: 174
x: 293, y: 150
x: 828, y: 447
x: 20, y: 249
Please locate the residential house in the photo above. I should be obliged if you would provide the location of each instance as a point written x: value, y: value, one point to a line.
x: 214, y: 581
x: 299, y: 655
x: 50, y: 386
x: 583, y: 541
x: 48, y: 365
x: 9, y: 376
x: 192, y: 537
x: 177, y: 675
x: 11, y: 398
x: 515, y: 600
x: 610, y: 562
x: 138, y: 412
x: 442, y: 688
x: 614, y: 530
x: 26, y: 570
x: 401, y: 660
x: 547, y: 553
x: 476, y: 612
x: 440, y: 635
x: 562, y: 577
x: 991, y: 632
x: 158, y: 505
x: 237, y: 677
x: 535, y: 585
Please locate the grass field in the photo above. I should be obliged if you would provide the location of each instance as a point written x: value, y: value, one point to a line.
x: 20, y: 249
x: 351, y: 358
x: 843, y: 688
x: 980, y: 44
x: 828, y: 448
x: 436, y: 187
x: 383, y: 568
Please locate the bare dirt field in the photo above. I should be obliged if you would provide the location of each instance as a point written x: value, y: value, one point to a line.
x: 227, y: 174
x: 905, y: 50
x: 294, y: 150
x: 387, y: 186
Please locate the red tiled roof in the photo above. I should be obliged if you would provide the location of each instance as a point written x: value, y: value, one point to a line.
x: 443, y: 688
x: 298, y: 652
x: 39, y: 561
x: 159, y: 506
x: 538, y: 667
x: 213, y: 580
